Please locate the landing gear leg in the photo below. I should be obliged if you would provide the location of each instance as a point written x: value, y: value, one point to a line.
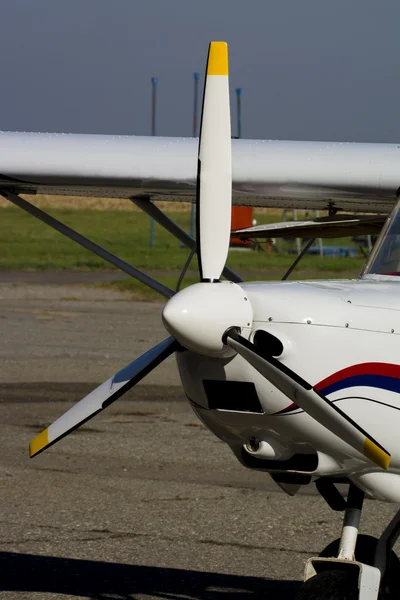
x: 351, y: 524
x: 342, y: 577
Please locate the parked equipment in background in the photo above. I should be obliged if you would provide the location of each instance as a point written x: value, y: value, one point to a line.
x: 242, y: 217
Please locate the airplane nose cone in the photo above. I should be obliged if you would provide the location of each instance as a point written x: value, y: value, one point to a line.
x: 199, y: 315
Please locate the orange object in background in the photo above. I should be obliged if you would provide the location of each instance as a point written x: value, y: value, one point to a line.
x: 242, y: 217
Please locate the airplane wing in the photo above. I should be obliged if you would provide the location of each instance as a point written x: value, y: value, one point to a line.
x: 321, y: 227
x: 305, y: 175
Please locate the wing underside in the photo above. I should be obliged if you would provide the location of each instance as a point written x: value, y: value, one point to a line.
x: 308, y: 175
x: 323, y: 227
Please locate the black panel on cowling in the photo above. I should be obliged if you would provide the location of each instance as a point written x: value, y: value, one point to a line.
x: 239, y: 396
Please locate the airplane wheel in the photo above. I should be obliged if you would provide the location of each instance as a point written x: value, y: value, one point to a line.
x: 365, y: 553
x: 329, y: 585
x: 365, y: 549
x: 339, y: 585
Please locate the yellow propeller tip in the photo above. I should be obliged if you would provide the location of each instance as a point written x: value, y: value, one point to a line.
x: 376, y: 454
x: 39, y: 443
x: 217, y: 59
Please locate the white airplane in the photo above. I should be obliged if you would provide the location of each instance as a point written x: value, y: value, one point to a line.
x: 300, y: 379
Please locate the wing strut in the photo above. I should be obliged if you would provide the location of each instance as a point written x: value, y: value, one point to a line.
x: 152, y: 210
x: 299, y: 257
x: 88, y: 244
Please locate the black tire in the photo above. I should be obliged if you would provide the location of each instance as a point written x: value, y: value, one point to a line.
x: 365, y: 549
x: 365, y: 553
x: 329, y: 585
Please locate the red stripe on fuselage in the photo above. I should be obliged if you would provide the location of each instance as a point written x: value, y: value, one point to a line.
x: 372, y: 368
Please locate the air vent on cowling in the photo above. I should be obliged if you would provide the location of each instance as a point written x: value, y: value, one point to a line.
x: 267, y: 342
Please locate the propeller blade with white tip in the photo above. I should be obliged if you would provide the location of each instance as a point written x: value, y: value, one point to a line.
x: 312, y: 402
x: 103, y: 396
x: 214, y: 175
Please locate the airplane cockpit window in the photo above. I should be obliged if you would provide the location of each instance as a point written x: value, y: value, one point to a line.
x: 385, y: 257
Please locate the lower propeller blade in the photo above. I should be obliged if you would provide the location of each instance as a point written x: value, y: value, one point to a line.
x: 103, y: 396
x: 312, y: 402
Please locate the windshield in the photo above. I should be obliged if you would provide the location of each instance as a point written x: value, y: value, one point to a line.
x: 385, y: 257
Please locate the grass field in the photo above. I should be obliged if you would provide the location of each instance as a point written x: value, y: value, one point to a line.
x: 25, y: 243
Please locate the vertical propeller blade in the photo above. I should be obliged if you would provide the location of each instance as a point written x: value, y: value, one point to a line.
x: 214, y: 175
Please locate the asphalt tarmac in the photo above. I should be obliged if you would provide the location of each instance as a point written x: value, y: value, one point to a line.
x: 142, y: 501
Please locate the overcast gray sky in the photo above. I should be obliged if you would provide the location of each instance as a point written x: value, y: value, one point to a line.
x: 309, y: 69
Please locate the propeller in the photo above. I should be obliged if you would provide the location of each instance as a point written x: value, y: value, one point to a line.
x: 103, y: 396
x: 214, y: 214
x: 309, y: 399
x: 199, y: 315
x: 214, y: 168
x: 210, y: 316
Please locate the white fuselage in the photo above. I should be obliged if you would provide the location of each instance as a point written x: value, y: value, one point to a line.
x: 343, y: 338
